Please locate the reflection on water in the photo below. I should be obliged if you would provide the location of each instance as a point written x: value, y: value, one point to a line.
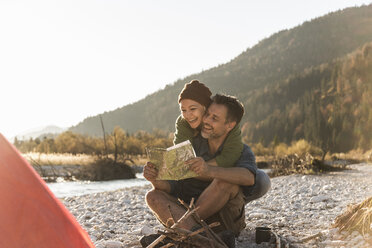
x: 67, y: 189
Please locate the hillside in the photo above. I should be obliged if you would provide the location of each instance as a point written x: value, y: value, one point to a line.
x: 283, y: 59
x: 329, y: 105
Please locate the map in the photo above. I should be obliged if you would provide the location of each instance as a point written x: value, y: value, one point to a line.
x: 170, y: 162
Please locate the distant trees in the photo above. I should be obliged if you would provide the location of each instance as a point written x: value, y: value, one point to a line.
x: 119, y: 143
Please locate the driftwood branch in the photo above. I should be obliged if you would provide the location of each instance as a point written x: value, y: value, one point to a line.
x: 311, y: 237
x: 277, y: 240
x: 198, y: 239
x: 167, y: 245
x: 194, y: 238
x: 172, y: 230
x: 184, y: 217
x: 197, y: 219
x: 104, y: 135
x: 204, y: 225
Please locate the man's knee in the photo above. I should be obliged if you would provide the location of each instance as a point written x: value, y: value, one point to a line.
x: 263, y: 183
x: 260, y: 188
x: 154, y: 197
x: 223, y: 186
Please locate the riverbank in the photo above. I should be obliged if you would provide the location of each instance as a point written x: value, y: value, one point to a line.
x: 296, y: 207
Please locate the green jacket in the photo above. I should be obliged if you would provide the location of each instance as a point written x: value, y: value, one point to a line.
x: 232, y: 147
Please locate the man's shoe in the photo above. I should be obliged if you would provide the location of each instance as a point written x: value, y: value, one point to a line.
x: 197, y: 227
x: 228, y: 238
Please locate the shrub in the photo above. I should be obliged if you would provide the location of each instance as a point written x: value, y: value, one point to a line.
x: 281, y: 150
x: 305, y: 164
x: 259, y: 150
x: 302, y: 147
x: 104, y: 168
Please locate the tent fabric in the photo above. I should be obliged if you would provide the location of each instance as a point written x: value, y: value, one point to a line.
x: 30, y: 214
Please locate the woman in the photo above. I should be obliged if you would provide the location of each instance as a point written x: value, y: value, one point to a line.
x: 194, y: 100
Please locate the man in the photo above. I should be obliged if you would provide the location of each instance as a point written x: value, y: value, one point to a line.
x: 220, y: 192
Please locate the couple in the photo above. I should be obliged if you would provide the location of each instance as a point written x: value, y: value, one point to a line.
x: 228, y: 177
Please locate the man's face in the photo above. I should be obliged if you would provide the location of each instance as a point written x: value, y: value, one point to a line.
x: 214, y: 122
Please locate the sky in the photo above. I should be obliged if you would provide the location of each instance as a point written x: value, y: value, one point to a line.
x: 63, y: 61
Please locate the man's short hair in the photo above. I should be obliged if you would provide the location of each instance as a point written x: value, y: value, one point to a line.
x: 235, y: 109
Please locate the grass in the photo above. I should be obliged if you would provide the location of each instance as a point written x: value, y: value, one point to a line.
x: 358, y: 218
x: 72, y: 159
x: 300, y: 147
x: 58, y: 159
x: 354, y: 155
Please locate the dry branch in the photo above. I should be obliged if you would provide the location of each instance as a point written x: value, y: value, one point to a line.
x: 179, y: 235
x: 319, y: 234
x: 197, y: 239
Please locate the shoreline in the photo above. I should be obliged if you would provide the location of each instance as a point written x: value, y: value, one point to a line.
x: 296, y: 207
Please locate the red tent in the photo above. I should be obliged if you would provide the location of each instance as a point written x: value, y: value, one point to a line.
x: 30, y: 215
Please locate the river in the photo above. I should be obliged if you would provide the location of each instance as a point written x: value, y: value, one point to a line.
x: 77, y: 188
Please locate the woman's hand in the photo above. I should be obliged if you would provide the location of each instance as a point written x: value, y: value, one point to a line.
x: 199, y: 166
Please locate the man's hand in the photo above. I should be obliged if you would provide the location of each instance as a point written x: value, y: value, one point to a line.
x: 199, y: 166
x: 150, y: 172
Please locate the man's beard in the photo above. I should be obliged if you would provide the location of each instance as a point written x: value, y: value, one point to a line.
x: 205, y: 135
x: 210, y: 134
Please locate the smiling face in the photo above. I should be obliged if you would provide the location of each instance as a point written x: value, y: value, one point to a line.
x: 192, y: 112
x: 215, y: 124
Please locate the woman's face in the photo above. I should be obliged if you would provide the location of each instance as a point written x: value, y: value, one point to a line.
x: 192, y: 112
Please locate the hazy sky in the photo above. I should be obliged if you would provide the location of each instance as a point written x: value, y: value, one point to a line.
x: 62, y: 61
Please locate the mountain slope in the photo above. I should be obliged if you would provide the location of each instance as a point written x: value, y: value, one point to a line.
x: 37, y: 132
x: 329, y: 105
x: 286, y: 54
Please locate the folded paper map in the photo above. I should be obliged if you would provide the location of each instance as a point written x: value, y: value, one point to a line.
x: 170, y: 162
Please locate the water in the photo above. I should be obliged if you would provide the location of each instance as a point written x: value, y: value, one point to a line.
x: 67, y: 189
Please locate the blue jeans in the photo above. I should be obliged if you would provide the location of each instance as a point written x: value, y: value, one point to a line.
x: 261, y: 187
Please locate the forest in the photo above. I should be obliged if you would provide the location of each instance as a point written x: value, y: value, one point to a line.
x: 311, y: 82
x: 328, y: 105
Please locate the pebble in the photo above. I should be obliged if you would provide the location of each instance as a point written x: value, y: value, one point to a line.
x: 319, y: 198
x: 296, y: 207
x: 147, y: 230
x: 109, y: 244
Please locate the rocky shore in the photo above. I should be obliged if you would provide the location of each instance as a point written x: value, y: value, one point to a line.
x: 299, y: 208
